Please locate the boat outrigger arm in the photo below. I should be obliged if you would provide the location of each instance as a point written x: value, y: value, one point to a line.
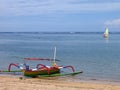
x: 42, y: 70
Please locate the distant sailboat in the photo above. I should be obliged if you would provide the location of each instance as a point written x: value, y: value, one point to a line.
x: 106, y: 33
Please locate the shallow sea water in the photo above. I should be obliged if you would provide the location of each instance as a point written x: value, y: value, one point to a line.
x: 98, y: 58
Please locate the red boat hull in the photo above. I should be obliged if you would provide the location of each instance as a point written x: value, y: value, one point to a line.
x: 41, y: 71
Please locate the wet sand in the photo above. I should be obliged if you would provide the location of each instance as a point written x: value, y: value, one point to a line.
x: 21, y: 83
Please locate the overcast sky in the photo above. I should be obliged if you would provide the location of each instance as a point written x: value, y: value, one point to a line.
x: 59, y: 15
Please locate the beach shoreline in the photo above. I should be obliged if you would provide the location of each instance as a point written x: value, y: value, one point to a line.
x: 22, y: 83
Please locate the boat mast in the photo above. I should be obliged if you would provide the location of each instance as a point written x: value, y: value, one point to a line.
x: 54, y: 61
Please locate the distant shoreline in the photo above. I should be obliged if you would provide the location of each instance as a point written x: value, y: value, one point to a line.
x: 57, y: 32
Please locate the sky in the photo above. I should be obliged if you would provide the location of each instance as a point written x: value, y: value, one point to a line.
x: 59, y: 15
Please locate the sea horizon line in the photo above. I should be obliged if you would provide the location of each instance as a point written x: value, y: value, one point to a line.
x: 54, y: 32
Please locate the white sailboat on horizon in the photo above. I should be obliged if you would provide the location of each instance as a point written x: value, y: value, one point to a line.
x: 106, y: 33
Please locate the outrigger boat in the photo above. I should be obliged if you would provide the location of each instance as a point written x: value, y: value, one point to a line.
x: 42, y: 70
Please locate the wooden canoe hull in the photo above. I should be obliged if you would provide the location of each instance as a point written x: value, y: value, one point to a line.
x: 42, y: 71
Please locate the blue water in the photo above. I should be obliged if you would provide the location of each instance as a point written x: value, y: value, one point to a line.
x: 98, y: 58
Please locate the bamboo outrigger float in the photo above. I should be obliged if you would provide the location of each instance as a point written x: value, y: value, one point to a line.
x: 40, y: 69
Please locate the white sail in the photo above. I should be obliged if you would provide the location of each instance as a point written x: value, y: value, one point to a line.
x: 106, y: 33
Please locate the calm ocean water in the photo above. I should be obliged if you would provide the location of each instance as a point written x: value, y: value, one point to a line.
x: 97, y: 57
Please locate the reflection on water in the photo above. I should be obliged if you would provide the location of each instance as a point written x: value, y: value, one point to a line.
x: 106, y: 40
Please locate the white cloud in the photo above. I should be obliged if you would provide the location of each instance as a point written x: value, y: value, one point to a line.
x: 36, y: 7
x: 113, y: 23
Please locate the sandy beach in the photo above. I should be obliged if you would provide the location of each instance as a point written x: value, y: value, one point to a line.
x: 21, y: 83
